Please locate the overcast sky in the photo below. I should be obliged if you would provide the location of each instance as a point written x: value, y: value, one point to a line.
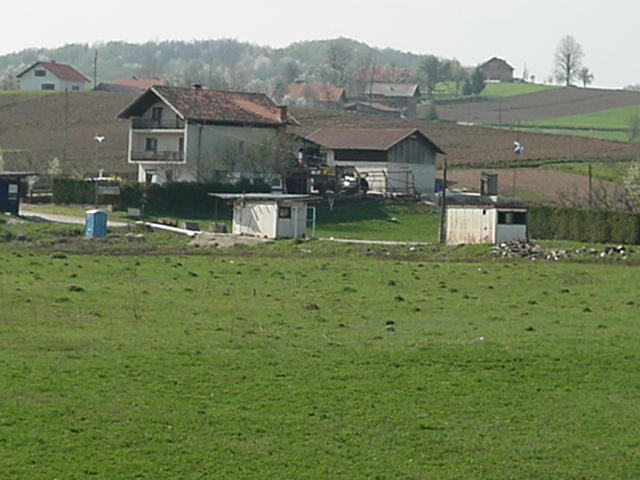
x: 520, y: 31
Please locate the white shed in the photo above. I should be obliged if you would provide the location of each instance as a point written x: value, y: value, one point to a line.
x: 270, y: 215
x: 484, y: 219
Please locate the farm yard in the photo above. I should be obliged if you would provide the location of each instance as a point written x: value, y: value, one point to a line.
x: 311, y: 360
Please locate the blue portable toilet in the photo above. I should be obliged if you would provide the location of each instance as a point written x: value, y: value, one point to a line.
x: 95, y: 224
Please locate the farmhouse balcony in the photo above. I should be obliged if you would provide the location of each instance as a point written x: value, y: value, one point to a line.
x: 152, y: 123
x: 156, y: 156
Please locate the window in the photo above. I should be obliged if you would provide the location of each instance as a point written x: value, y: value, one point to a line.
x: 151, y: 144
x: 41, y: 73
x: 48, y: 86
x: 75, y: 88
x: 13, y: 192
x: 150, y: 176
x: 181, y: 145
x: 284, y: 212
x: 512, y: 218
x: 156, y: 113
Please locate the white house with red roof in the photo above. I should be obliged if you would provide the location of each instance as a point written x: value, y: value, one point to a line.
x: 196, y: 134
x: 52, y: 76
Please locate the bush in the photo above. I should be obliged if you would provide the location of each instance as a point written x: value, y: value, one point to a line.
x: 191, y: 197
x: 598, y: 226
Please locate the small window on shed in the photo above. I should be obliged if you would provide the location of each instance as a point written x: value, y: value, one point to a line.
x: 40, y: 73
x: 512, y: 218
x: 48, y: 86
x: 13, y: 192
x: 284, y: 212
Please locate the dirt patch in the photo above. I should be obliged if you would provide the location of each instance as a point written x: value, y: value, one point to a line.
x: 536, y: 185
x: 472, y: 144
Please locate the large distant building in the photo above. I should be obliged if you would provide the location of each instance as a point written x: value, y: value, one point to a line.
x: 52, y: 76
x: 496, y: 70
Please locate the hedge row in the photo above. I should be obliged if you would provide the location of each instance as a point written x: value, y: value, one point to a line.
x: 598, y: 226
x: 170, y: 197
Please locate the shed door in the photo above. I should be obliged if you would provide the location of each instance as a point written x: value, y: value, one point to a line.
x: 9, y: 195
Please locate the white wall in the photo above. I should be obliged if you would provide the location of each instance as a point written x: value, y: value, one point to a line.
x: 470, y: 225
x: 257, y: 219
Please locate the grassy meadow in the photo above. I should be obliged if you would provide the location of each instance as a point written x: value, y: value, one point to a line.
x: 310, y: 360
x: 513, y: 89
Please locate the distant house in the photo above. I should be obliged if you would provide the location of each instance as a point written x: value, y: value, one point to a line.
x: 394, y: 161
x: 132, y: 84
x: 484, y: 219
x: 373, y: 107
x: 403, y: 96
x: 496, y: 70
x: 189, y: 134
x: 52, y: 76
x: 319, y: 94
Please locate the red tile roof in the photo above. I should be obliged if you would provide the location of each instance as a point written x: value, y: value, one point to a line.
x: 60, y: 70
x: 317, y: 92
x: 213, y: 105
x: 141, y: 83
x: 380, y: 139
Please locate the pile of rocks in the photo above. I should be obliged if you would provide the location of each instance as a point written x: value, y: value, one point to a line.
x: 530, y: 251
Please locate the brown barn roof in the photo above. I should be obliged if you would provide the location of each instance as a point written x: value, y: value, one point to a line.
x: 394, y: 89
x: 213, y: 106
x: 496, y: 60
x: 380, y: 139
x: 60, y: 70
x: 318, y: 92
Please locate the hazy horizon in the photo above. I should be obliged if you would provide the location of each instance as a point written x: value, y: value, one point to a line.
x: 524, y: 33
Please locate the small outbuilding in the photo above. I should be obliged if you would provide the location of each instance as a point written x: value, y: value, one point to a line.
x: 484, y: 219
x: 269, y: 215
x: 10, y: 191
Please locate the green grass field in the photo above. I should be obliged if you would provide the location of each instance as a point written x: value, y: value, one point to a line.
x: 613, y: 118
x: 513, y: 89
x: 301, y: 360
x: 612, y: 171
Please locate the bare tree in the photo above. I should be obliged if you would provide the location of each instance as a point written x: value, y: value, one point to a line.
x: 431, y: 70
x: 339, y: 60
x: 585, y: 76
x: 568, y: 60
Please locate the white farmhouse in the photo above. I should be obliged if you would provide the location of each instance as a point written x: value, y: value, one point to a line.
x: 193, y: 134
x: 52, y: 76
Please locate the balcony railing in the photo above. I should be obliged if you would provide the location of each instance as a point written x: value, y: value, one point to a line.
x: 151, y: 123
x: 156, y: 156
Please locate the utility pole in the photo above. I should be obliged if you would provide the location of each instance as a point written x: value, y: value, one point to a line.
x: 443, y: 204
x: 95, y: 68
x: 65, y: 139
x: 590, y: 188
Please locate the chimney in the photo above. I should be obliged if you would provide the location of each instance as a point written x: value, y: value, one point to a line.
x: 283, y: 113
x: 197, y: 86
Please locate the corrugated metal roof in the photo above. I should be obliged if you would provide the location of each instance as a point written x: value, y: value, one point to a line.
x: 318, y: 92
x: 380, y: 139
x: 393, y: 89
x: 60, y: 70
x: 201, y: 104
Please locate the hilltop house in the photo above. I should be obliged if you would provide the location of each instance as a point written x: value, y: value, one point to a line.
x: 318, y: 94
x: 190, y: 134
x: 401, y: 96
x: 394, y: 161
x: 496, y: 70
x: 52, y: 76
